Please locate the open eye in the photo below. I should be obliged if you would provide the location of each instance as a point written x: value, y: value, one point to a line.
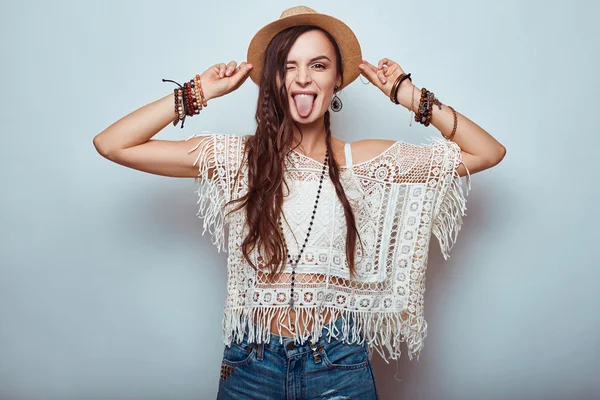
x: 320, y: 65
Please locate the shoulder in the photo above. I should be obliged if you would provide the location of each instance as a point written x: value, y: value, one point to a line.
x: 367, y: 149
x: 408, y: 156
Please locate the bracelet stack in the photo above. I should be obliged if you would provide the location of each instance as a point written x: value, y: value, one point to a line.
x: 425, y: 111
x: 426, y: 104
x: 189, y: 99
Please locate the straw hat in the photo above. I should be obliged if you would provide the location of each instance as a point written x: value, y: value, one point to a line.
x: 301, y: 15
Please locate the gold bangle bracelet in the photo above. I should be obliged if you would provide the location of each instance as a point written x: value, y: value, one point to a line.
x: 394, y: 90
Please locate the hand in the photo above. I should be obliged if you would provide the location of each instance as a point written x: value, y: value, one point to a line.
x: 221, y: 79
x: 384, y: 75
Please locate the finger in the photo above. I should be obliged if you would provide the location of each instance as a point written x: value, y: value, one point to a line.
x: 222, y: 68
x: 218, y: 69
x: 383, y: 61
x: 390, y: 67
x: 378, y: 77
x: 370, y: 66
x: 239, y: 67
x: 394, y: 66
x: 241, y: 75
x: 243, y: 65
x: 242, y: 69
x: 370, y: 72
x: 387, y: 71
x: 230, y: 67
x: 381, y: 76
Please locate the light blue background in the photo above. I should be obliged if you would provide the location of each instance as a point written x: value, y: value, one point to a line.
x: 107, y: 289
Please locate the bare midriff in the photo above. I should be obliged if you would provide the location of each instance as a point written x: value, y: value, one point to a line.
x: 277, y: 329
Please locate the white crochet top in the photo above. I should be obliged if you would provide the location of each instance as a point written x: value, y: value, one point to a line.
x: 399, y: 198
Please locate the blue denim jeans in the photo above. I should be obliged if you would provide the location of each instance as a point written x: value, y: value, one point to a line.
x: 287, y: 371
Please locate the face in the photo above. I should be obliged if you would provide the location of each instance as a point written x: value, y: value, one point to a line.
x: 311, y: 76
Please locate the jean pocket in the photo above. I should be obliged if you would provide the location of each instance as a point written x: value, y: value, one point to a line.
x: 345, y: 356
x: 237, y: 355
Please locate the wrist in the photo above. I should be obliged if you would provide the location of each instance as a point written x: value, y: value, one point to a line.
x: 207, y: 89
x: 208, y: 92
x: 406, y: 94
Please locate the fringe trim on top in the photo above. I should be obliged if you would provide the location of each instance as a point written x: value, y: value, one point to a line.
x: 383, y: 331
x: 211, y: 194
x: 451, y: 205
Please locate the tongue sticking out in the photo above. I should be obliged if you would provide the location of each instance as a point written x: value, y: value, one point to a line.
x: 304, y: 104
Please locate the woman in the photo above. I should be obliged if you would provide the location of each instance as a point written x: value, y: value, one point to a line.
x: 327, y: 240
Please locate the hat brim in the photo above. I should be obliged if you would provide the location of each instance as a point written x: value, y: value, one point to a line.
x: 343, y: 35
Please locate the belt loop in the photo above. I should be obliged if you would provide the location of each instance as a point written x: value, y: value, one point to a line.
x: 260, y: 351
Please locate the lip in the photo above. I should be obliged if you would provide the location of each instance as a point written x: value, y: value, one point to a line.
x: 295, y: 92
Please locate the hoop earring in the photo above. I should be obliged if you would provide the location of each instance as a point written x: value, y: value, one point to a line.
x: 336, y: 102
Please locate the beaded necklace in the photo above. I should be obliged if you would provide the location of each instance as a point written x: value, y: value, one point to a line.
x: 294, y: 263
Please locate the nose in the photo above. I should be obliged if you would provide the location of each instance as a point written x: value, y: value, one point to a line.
x: 303, y: 76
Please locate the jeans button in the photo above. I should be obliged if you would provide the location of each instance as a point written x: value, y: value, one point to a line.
x: 290, y: 346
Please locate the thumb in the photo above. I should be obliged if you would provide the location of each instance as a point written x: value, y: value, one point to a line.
x: 241, y: 74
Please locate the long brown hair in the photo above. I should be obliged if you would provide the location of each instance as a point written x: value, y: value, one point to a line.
x: 266, y: 152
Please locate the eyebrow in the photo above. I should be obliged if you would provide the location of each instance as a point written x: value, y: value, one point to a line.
x: 311, y: 60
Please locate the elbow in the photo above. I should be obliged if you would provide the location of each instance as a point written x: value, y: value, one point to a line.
x: 101, y: 147
x: 500, y: 154
x: 98, y: 146
x: 496, y: 156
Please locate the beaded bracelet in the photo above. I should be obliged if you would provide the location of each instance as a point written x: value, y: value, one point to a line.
x: 425, y: 110
x: 192, y: 103
x: 426, y: 116
x: 189, y: 107
x: 200, y: 94
x: 189, y: 99
x: 421, y: 108
x: 455, y: 124
x: 197, y: 103
x: 428, y: 109
x: 179, y: 112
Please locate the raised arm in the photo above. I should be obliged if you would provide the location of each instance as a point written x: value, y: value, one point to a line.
x: 129, y: 142
x: 479, y: 149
